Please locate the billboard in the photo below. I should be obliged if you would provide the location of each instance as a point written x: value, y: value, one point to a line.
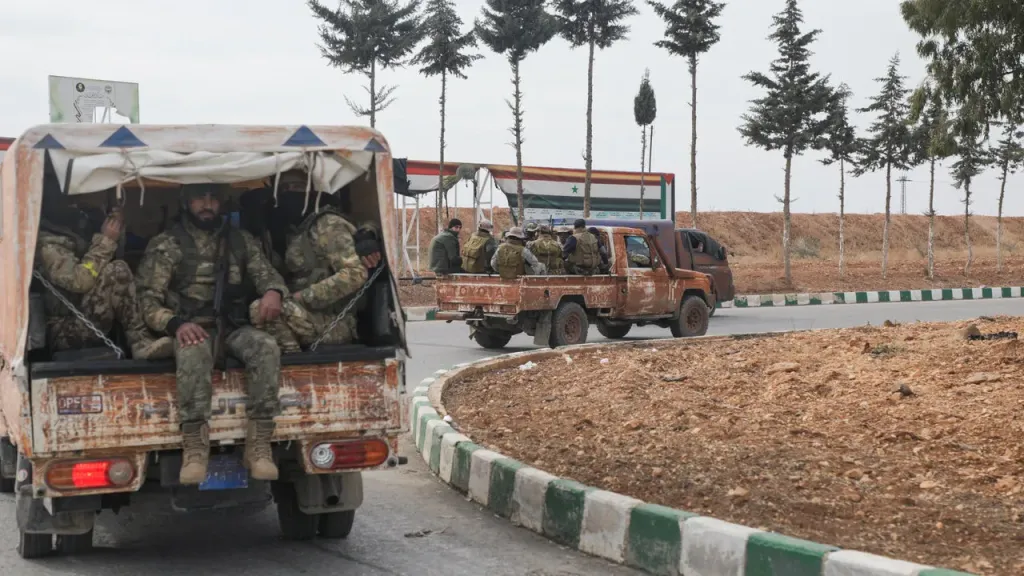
x: 81, y: 100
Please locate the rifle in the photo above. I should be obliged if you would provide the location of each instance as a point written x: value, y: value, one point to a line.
x: 222, y: 269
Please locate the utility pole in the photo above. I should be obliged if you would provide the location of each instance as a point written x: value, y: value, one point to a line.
x: 903, y: 192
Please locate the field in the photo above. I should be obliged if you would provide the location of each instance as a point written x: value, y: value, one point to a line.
x: 899, y: 440
x: 754, y: 241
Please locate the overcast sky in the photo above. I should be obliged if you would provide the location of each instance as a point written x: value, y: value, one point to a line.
x: 256, y: 62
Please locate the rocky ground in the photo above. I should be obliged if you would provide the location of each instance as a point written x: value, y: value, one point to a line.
x: 898, y: 440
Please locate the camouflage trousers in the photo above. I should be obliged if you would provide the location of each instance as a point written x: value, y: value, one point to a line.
x: 258, y: 353
x: 298, y: 326
x: 111, y: 298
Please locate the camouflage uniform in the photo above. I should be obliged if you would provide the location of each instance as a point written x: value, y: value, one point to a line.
x: 512, y: 257
x: 101, y: 288
x: 548, y: 251
x: 174, y: 289
x: 325, y: 271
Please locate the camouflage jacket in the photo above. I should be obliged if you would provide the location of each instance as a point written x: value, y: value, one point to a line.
x: 160, y: 302
x: 70, y: 265
x: 323, y: 263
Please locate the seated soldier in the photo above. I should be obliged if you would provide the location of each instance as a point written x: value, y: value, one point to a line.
x: 547, y: 250
x: 512, y: 258
x: 87, y: 276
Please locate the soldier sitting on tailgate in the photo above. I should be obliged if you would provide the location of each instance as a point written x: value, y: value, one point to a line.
x: 581, y: 251
x: 327, y: 258
x: 479, y: 249
x: 512, y: 257
x: 86, y: 274
x: 547, y: 250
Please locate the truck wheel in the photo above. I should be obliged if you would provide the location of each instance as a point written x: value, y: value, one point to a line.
x: 336, y: 525
x: 492, y: 340
x: 693, y: 318
x: 613, y: 331
x: 33, y: 546
x: 295, y: 524
x: 7, y: 484
x: 74, y: 543
x: 569, y: 325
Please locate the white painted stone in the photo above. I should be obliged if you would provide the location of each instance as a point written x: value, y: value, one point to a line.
x: 849, y: 297
x: 713, y: 547
x: 448, y: 442
x: 423, y: 409
x: 872, y: 297
x: 827, y: 298
x: 480, y: 475
x: 779, y: 299
x: 803, y: 299
x: 605, y: 524
x: 894, y: 295
x: 528, y: 494
x: 727, y: 304
x: 997, y: 293
x: 427, y: 381
x: 754, y: 300
x: 421, y: 391
x: 936, y: 294
x: 958, y: 293
x: 915, y: 295
x: 441, y: 372
x: 853, y: 563
x: 428, y: 439
x: 414, y: 406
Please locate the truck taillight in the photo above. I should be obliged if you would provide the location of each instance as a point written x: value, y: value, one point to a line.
x: 90, y: 474
x: 352, y: 454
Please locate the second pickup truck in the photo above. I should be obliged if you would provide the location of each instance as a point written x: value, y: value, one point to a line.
x: 559, y: 310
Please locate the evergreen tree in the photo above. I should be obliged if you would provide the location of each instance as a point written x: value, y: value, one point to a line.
x: 515, y: 28
x: 594, y: 24
x: 932, y: 142
x: 841, y: 145
x: 365, y: 36
x: 690, y: 30
x: 645, y: 109
x: 1007, y: 156
x: 792, y: 116
x: 971, y: 161
x: 444, y: 55
x: 889, y: 146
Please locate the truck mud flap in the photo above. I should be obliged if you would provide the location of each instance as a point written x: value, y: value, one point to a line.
x: 542, y: 336
x: 34, y: 518
x: 319, y: 493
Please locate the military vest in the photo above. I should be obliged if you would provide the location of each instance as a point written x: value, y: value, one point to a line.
x: 510, y: 261
x: 587, y: 257
x: 306, y: 267
x: 549, y: 252
x: 474, y: 253
x: 189, y: 271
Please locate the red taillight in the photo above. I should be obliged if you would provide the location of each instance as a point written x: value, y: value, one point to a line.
x: 90, y: 474
x: 355, y: 454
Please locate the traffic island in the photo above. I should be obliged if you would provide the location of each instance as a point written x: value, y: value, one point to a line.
x: 758, y: 454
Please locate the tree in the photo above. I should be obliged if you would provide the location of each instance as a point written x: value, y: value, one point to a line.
x: 445, y: 54
x: 889, y: 145
x: 366, y: 35
x: 792, y: 116
x: 645, y: 109
x: 932, y: 142
x: 690, y: 30
x: 841, y: 145
x: 1007, y: 156
x: 515, y: 28
x: 595, y: 24
x: 971, y: 161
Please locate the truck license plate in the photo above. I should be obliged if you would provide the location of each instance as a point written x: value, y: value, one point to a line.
x: 225, y: 472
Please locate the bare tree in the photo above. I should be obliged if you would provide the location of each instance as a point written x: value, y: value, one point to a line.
x: 841, y: 144
x: 932, y: 142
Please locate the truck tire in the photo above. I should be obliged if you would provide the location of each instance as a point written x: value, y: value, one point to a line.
x: 73, y: 544
x: 295, y: 524
x: 492, y: 340
x: 32, y: 546
x: 569, y: 325
x: 613, y: 331
x: 693, y: 318
x: 337, y: 525
x: 7, y: 484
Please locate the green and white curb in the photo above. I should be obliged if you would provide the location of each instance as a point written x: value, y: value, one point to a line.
x: 420, y: 313
x: 818, y: 298
x: 653, y: 538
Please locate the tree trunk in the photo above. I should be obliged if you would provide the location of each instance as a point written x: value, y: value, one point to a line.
x: 517, y: 131
x: 589, y: 160
x: 693, y: 144
x: 786, y: 218
x: 373, y: 94
x: 999, y: 220
x: 440, y: 168
x: 842, y: 217
x: 967, y: 227
x: 650, y: 161
x: 931, y: 223
x: 643, y: 156
x: 888, y: 217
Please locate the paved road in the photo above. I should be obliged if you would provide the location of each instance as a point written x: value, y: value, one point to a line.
x: 466, y: 541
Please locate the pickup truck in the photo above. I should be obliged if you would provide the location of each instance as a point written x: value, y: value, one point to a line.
x: 85, y: 430
x: 559, y: 310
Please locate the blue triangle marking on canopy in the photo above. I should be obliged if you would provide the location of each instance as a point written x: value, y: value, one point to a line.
x: 122, y: 138
x: 48, y: 143
x: 304, y: 137
x: 374, y: 146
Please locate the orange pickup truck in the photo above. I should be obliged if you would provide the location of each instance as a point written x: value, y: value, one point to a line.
x: 559, y: 310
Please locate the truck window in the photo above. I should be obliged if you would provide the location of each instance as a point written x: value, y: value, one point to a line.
x: 638, y: 252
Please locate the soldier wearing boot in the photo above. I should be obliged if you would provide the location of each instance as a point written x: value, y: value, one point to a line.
x: 86, y: 274
x: 177, y: 283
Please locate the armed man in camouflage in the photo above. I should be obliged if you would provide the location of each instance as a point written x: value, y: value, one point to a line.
x: 177, y: 282
x: 512, y: 257
x: 581, y: 251
x: 86, y: 274
x: 547, y: 250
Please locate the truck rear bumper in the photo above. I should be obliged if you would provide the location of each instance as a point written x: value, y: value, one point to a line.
x: 451, y: 316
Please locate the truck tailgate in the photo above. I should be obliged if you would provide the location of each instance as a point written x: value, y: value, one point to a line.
x: 107, y: 408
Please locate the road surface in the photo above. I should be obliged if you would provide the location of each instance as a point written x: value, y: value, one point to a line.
x: 464, y: 540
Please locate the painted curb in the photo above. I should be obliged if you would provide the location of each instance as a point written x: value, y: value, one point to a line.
x: 653, y: 538
x: 425, y: 313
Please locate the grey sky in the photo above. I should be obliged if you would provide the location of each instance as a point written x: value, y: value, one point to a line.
x: 255, y: 61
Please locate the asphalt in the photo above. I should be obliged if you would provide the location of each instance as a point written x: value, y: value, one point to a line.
x: 391, y: 531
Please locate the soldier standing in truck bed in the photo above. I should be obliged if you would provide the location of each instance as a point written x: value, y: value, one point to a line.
x: 547, y: 250
x: 581, y: 250
x: 512, y: 257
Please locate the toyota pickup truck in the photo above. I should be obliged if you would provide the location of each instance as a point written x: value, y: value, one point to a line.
x: 559, y: 310
x: 86, y: 430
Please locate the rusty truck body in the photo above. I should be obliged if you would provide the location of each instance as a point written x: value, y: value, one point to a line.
x: 87, y: 430
x: 558, y: 310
